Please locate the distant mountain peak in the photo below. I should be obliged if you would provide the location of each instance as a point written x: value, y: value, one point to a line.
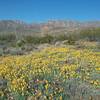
x: 53, y: 26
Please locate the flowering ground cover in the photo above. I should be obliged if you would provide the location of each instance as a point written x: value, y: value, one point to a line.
x: 54, y: 73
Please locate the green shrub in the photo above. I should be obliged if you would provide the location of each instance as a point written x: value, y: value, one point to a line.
x: 92, y: 34
x: 8, y: 37
x: 47, y: 39
x: 1, y: 52
x: 61, y: 37
x: 20, y: 43
x: 98, y: 45
x: 31, y: 39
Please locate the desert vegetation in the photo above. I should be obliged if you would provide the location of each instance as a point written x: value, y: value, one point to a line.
x: 54, y: 73
x: 52, y: 64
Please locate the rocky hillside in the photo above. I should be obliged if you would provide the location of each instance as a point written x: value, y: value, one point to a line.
x: 51, y: 27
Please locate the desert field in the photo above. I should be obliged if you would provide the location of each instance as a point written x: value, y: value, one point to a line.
x: 53, y: 73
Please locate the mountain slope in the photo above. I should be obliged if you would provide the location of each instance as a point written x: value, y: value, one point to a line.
x: 51, y: 27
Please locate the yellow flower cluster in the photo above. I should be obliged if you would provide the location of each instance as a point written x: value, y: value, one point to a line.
x: 62, y: 62
x: 18, y: 84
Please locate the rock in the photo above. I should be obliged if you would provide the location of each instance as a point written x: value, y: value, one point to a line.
x: 65, y: 42
x: 58, y: 43
x: 3, y: 84
x: 42, y: 46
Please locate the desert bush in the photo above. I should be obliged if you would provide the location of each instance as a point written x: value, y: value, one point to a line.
x: 31, y: 39
x: 20, y: 43
x: 8, y: 37
x: 1, y: 52
x: 39, y: 40
x: 16, y: 52
x: 91, y: 34
x: 46, y: 39
x: 98, y: 45
x: 77, y: 90
x: 61, y: 37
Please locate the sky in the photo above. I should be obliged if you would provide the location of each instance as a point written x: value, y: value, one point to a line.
x: 43, y: 10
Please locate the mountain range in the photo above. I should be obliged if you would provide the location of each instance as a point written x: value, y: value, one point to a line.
x: 51, y: 26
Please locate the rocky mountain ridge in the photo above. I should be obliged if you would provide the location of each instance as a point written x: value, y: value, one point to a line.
x: 52, y: 26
